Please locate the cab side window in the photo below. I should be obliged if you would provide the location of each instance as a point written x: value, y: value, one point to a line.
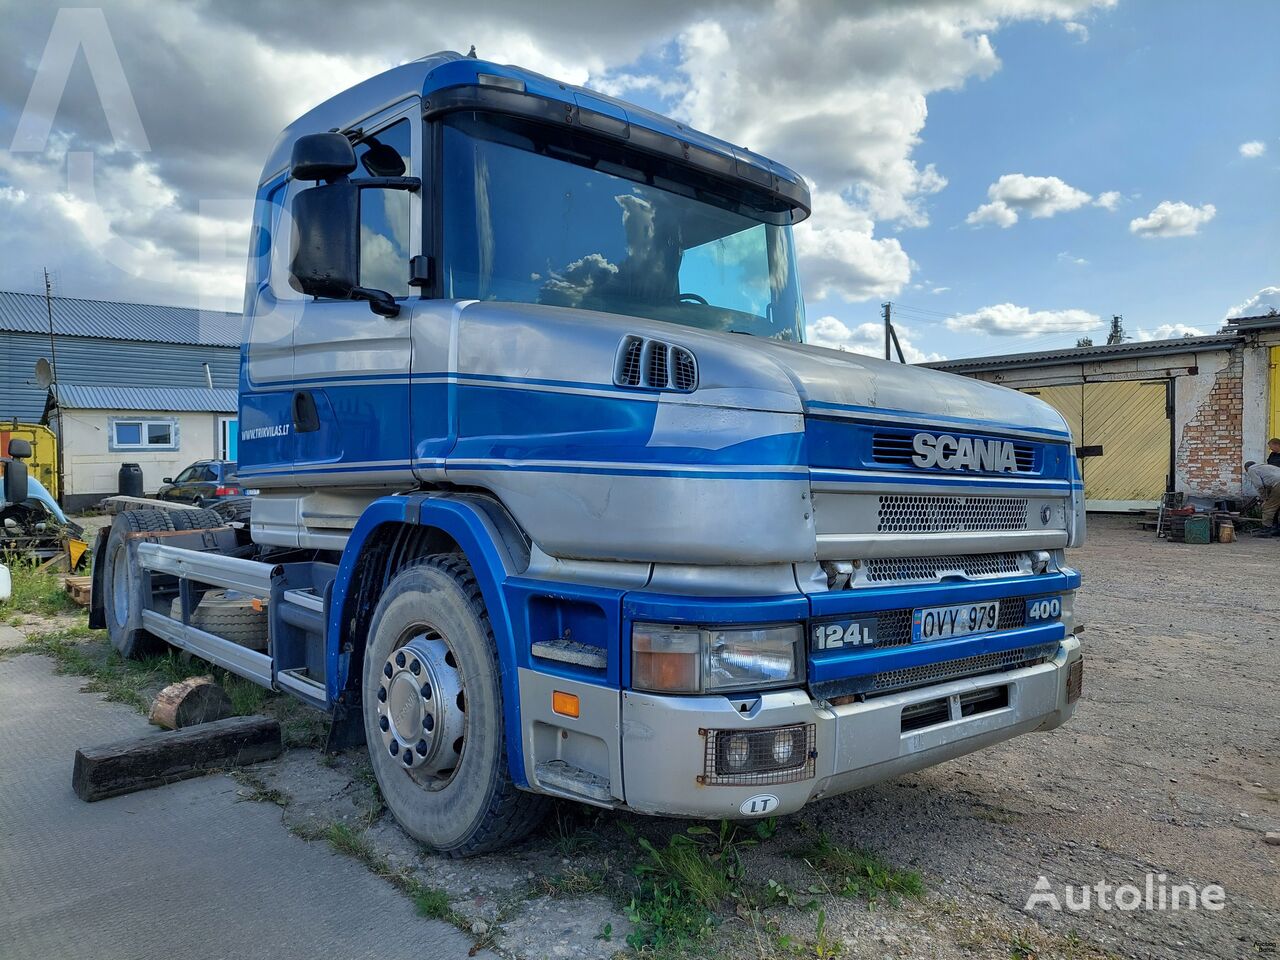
x: 384, y: 214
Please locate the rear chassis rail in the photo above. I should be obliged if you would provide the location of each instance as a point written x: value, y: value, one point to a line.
x: 184, y: 564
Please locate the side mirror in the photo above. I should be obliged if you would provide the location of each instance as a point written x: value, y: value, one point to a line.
x: 19, y: 449
x: 326, y: 255
x: 167, y: 480
x: 15, y: 481
x: 322, y: 156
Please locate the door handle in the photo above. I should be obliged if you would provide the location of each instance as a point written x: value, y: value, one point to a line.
x: 306, y: 419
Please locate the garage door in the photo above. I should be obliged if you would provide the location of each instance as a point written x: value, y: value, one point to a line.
x: 1129, y: 419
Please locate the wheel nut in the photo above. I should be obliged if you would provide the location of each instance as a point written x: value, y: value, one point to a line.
x: 394, y: 747
x: 428, y: 723
x: 422, y: 748
x: 386, y: 670
x: 384, y: 723
x: 426, y: 691
x: 382, y: 694
x: 399, y: 659
x: 415, y: 668
x: 408, y: 758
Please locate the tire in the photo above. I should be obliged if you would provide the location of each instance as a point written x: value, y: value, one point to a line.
x: 122, y: 596
x: 195, y: 519
x: 433, y: 613
x: 233, y: 509
x: 232, y: 618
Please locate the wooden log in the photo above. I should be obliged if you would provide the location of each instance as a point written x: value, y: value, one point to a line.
x: 188, y: 702
x: 160, y: 758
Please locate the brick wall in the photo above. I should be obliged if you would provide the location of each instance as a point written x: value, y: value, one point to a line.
x: 1211, y: 453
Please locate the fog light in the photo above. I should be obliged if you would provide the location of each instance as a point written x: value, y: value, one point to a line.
x: 784, y: 745
x: 771, y: 755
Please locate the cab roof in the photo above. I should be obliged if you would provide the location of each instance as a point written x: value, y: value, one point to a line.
x: 442, y: 81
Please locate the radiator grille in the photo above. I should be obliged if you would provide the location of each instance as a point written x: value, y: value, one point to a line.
x: 897, y: 449
x: 955, y: 669
x: 643, y: 362
x: 919, y: 513
x: 929, y: 569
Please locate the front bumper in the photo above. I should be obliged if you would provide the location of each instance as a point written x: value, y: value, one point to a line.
x: 664, y: 763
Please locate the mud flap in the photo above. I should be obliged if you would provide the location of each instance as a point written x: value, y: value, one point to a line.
x: 346, y: 725
x: 97, y: 612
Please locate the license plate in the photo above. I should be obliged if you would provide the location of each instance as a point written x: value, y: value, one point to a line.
x: 844, y: 634
x: 959, y: 620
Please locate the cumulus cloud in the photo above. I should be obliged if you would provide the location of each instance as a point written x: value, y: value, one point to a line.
x: 1016, y: 193
x: 1173, y: 219
x: 838, y: 91
x: 1168, y: 331
x: 1252, y: 149
x: 866, y: 338
x: 1065, y: 256
x: 1107, y: 200
x: 1265, y: 301
x: 1077, y: 30
x: 1010, y: 320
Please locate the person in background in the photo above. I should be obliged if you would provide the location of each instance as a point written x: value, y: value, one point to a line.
x: 1266, y: 478
x: 1273, y: 452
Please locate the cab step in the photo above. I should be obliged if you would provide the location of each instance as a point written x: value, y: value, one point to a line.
x: 570, y: 651
x: 583, y: 784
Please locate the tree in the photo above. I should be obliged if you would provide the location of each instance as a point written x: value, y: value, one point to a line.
x: 1085, y: 342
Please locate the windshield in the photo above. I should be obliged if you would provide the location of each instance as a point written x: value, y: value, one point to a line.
x: 532, y: 221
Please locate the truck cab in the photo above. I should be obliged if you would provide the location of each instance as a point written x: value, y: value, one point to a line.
x: 555, y: 500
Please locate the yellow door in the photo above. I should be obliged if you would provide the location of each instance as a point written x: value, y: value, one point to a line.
x: 43, y: 464
x: 1274, y: 428
x: 1129, y: 420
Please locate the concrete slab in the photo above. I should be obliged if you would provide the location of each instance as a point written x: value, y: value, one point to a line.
x: 11, y: 636
x: 183, y: 871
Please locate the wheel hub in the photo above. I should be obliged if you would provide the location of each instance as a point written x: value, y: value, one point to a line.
x: 421, y: 707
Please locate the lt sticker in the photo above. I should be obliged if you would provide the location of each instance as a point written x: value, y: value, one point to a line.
x: 758, y: 806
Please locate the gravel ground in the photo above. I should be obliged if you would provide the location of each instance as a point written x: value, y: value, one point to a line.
x: 1169, y: 767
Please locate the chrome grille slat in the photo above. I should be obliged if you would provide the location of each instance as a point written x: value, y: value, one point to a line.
x: 930, y: 569
x: 923, y: 513
x: 955, y: 669
x: 643, y: 362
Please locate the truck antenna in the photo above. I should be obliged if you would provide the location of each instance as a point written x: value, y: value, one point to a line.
x: 472, y: 52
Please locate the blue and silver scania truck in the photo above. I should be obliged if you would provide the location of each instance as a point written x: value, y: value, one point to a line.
x: 554, y: 500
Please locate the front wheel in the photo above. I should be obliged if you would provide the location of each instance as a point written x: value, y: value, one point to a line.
x: 433, y: 714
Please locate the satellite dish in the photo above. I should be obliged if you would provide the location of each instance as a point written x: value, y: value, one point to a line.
x: 44, y: 374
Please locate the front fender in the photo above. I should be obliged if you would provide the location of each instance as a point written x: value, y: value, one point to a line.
x: 466, y: 521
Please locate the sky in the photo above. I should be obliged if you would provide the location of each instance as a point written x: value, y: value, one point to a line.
x: 1009, y: 174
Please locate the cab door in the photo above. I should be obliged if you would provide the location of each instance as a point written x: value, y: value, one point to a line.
x: 349, y: 407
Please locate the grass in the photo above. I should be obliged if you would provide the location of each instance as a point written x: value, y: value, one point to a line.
x: 682, y: 886
x: 573, y: 882
x: 37, y: 591
x: 859, y: 873
x: 79, y: 650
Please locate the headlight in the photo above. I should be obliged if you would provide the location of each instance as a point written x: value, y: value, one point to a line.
x: 667, y: 658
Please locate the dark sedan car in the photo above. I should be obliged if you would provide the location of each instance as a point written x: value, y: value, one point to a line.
x: 202, y: 483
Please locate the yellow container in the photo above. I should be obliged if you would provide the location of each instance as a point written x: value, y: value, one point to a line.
x: 43, y: 464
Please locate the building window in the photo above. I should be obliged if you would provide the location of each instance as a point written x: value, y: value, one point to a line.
x: 138, y: 434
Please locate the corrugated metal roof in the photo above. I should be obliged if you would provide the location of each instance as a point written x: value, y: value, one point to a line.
x: 26, y: 313
x: 1086, y: 354
x: 79, y: 396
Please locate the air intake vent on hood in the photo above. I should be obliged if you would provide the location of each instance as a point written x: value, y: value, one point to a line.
x: 643, y: 362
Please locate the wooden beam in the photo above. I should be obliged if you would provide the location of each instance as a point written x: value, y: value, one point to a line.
x: 160, y: 758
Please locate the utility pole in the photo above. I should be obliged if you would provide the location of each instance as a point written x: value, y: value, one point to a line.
x: 1117, y: 334
x: 888, y: 326
x: 53, y: 365
x: 890, y: 334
